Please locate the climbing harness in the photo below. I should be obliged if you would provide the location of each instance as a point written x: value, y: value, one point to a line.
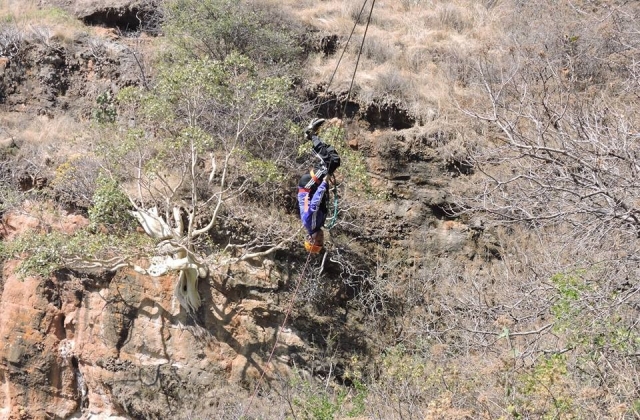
x: 331, y: 222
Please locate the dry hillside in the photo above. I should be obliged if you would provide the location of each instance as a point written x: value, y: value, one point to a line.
x: 483, y: 263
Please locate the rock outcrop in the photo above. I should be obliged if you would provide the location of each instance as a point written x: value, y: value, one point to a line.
x: 80, y: 344
x: 124, y: 15
x: 49, y: 77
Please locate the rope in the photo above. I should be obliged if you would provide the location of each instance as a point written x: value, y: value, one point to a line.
x: 344, y: 50
x: 346, y: 45
x: 334, y: 218
x: 284, y: 322
x: 353, y: 78
x: 335, y: 203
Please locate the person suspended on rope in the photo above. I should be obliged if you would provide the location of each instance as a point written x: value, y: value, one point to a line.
x: 312, y: 188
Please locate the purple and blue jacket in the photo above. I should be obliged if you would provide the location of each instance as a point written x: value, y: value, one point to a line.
x: 311, y: 211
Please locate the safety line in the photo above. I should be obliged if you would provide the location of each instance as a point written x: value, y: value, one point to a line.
x: 284, y: 322
x: 299, y: 281
x: 334, y: 218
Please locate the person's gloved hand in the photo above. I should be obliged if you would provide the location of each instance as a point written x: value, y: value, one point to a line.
x: 320, y: 173
x: 332, y: 168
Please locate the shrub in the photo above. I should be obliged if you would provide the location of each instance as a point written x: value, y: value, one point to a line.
x: 450, y: 16
x: 546, y: 391
x: 377, y: 49
x: 354, y: 11
x: 10, y: 42
x: 409, y: 4
x: 40, y: 252
x: 353, y: 165
x: 313, y: 402
x: 75, y: 181
x: 105, y: 111
x: 264, y: 170
x: 43, y: 253
x: 110, y: 206
x: 226, y: 26
x: 395, y: 84
x: 9, y: 196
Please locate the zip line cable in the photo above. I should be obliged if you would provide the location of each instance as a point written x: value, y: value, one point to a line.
x: 344, y: 50
x: 334, y: 191
x: 353, y: 78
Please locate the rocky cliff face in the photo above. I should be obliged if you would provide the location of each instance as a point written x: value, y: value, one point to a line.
x: 110, y: 345
x: 105, y: 345
x: 118, y: 345
x: 52, y: 76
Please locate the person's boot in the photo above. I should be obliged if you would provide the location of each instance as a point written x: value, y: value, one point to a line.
x: 313, y: 126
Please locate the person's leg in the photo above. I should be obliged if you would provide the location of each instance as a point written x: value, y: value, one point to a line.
x: 327, y: 153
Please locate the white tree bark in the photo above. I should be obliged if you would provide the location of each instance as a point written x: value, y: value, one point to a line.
x: 180, y: 259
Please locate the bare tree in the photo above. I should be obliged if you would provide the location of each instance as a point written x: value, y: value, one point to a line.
x: 559, y: 150
x: 558, y: 121
x: 196, y: 142
x: 556, y: 157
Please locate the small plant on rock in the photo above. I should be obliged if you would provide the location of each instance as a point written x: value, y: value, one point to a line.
x: 110, y: 206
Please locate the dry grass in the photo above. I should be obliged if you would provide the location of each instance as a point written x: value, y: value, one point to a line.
x: 26, y: 20
x: 402, y: 55
x: 46, y: 139
x: 43, y: 23
x: 29, y: 12
x: 11, y: 9
x: 414, y: 48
